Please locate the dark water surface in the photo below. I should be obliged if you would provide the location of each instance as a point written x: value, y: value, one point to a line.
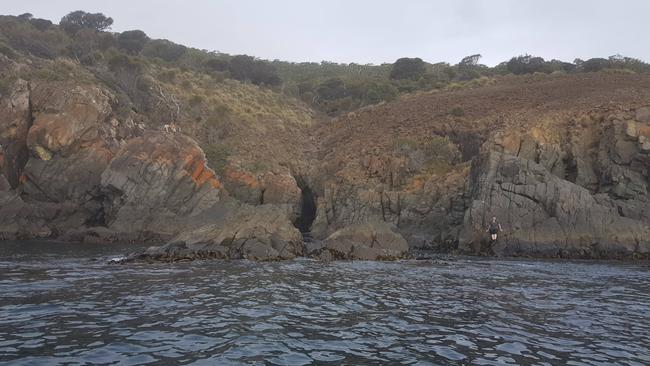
x: 59, y: 306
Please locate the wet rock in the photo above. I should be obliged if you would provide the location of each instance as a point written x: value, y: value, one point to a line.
x: 366, y: 241
x: 259, y: 233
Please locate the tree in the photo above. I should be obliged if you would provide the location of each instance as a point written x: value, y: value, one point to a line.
x: 408, y: 68
x: 471, y: 60
x: 595, y: 64
x: 258, y: 72
x: 331, y: 89
x: 127, y: 72
x: 216, y: 64
x: 25, y: 16
x: 132, y: 41
x: 381, y: 91
x: 79, y: 19
x: 467, y: 67
x: 164, y: 49
x: 526, y: 64
x: 41, y: 24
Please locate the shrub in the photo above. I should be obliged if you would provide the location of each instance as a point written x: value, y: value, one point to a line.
x: 164, y: 50
x: 457, y: 111
x: 381, y: 91
x: 168, y: 76
x: 217, y: 156
x: 216, y: 64
x: 332, y: 89
x: 442, y: 148
x: 195, y: 100
x: 258, y: 72
x: 41, y: 24
x: 132, y: 41
x: 7, y: 51
x: 408, y: 68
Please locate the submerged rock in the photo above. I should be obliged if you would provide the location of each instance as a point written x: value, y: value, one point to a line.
x: 367, y: 241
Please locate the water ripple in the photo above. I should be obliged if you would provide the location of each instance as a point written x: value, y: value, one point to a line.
x: 61, y: 307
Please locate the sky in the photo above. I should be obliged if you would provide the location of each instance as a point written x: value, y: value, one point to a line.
x: 378, y: 31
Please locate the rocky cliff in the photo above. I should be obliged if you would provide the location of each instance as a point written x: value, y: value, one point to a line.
x: 562, y: 160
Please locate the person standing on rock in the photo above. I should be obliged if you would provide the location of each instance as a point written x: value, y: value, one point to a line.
x: 493, y: 228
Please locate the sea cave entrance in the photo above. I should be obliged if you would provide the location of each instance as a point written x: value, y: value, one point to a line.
x: 307, y: 208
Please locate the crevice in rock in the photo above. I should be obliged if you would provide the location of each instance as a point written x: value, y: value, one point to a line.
x: 571, y: 170
x: 307, y: 207
x: 468, y: 142
x: 16, y: 152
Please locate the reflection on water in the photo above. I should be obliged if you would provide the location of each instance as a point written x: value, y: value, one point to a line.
x: 60, y: 306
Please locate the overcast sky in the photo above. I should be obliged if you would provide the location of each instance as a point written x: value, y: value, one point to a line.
x: 377, y: 31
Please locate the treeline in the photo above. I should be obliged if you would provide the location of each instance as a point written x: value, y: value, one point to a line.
x: 330, y: 87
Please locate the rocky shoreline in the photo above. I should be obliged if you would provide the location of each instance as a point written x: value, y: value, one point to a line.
x: 568, y: 185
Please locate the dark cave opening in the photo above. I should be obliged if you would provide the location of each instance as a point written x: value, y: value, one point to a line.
x: 307, y: 208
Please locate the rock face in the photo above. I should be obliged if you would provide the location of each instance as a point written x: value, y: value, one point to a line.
x: 257, y: 233
x: 366, y: 241
x: 410, y: 186
x: 159, y: 184
x: 543, y: 215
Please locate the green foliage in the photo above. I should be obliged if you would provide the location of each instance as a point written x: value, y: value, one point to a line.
x: 457, y: 111
x: 127, y: 72
x: 132, y: 41
x: 595, y: 64
x: 195, y: 100
x: 217, y: 156
x: 381, y: 92
x: 332, y: 89
x: 168, y: 76
x: 408, y: 68
x: 329, y: 87
x: 216, y: 64
x: 5, y: 86
x: 164, y: 50
x: 77, y: 20
x: 442, y: 148
x: 247, y: 68
x: 7, y: 51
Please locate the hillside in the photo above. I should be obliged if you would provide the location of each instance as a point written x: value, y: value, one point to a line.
x: 417, y: 163
x: 105, y: 144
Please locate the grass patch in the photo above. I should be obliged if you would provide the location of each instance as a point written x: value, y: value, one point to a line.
x: 457, y: 111
x: 217, y: 156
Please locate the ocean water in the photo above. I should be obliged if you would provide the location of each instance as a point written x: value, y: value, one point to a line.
x: 65, y: 304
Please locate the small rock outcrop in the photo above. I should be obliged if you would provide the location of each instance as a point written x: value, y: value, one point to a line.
x: 366, y: 241
x: 261, y: 233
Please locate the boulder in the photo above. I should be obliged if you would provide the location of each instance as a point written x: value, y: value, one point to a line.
x: 261, y: 233
x: 70, y: 142
x: 159, y: 185
x: 643, y: 114
x: 374, y: 240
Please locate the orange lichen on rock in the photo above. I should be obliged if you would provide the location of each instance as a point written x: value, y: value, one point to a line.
x: 199, y: 173
x: 242, y: 177
x: 644, y: 131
